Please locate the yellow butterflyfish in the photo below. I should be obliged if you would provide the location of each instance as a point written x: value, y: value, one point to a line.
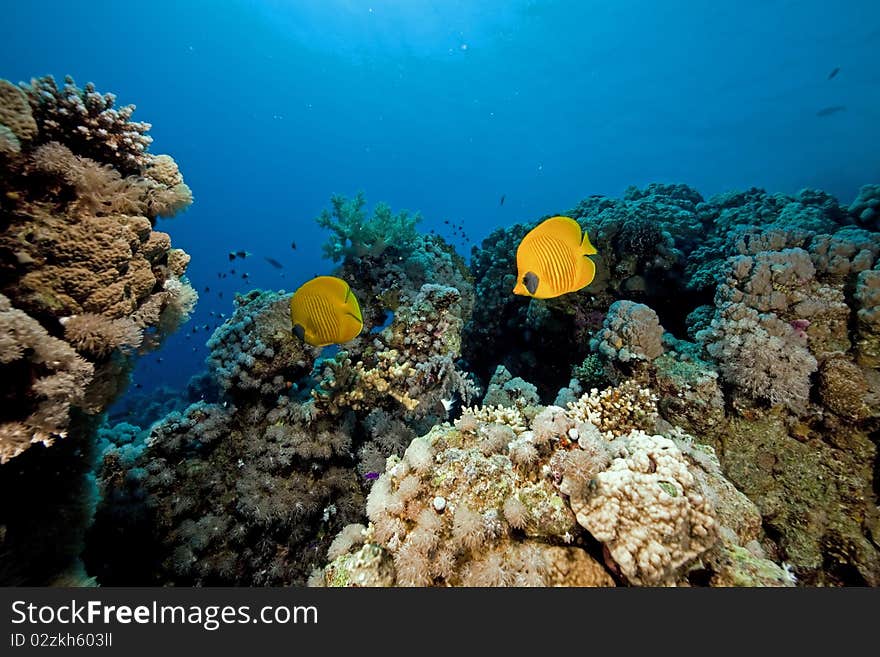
x: 552, y: 259
x: 325, y: 311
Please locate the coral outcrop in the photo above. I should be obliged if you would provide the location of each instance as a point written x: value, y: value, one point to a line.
x: 490, y: 502
x: 86, y: 285
x: 79, y: 255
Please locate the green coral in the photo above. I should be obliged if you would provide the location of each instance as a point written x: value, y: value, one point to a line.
x: 591, y: 372
x: 357, y: 236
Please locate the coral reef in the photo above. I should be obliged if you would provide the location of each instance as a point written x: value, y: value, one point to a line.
x: 78, y: 252
x: 471, y: 506
x: 251, y: 489
x: 716, y: 388
x: 86, y: 285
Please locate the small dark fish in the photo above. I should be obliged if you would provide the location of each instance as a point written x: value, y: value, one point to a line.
x: 293, y: 245
x: 158, y: 360
x: 207, y: 289
x: 503, y: 196
x: 371, y: 476
x: 220, y: 295
x: 242, y: 254
x: 446, y: 221
x: 834, y: 72
x: 232, y: 271
x: 833, y: 109
x: 232, y: 255
x: 219, y: 274
x: 138, y: 385
x: 244, y: 275
x: 207, y: 327
x: 274, y: 262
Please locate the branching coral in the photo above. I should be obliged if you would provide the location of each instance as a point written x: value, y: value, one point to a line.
x: 354, y: 235
x: 89, y: 123
x: 410, y: 362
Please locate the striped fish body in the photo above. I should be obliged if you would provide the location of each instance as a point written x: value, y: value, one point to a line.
x: 325, y: 311
x: 552, y: 260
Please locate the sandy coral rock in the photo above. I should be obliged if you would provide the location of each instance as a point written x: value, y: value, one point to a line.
x: 735, y: 513
x: 648, y: 510
x: 631, y: 331
x: 15, y: 112
x: 690, y: 394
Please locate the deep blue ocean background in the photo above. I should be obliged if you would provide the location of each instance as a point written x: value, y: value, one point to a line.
x: 271, y: 106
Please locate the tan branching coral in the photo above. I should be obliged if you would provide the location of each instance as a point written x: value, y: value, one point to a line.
x: 88, y: 122
x: 51, y: 378
x: 617, y: 410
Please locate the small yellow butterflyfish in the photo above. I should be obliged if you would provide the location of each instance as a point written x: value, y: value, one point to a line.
x: 552, y: 259
x: 325, y: 311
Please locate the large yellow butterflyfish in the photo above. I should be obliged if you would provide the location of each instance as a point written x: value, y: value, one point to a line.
x: 325, y: 311
x: 552, y: 259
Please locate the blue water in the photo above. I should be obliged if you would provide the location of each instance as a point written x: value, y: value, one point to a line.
x: 271, y: 106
